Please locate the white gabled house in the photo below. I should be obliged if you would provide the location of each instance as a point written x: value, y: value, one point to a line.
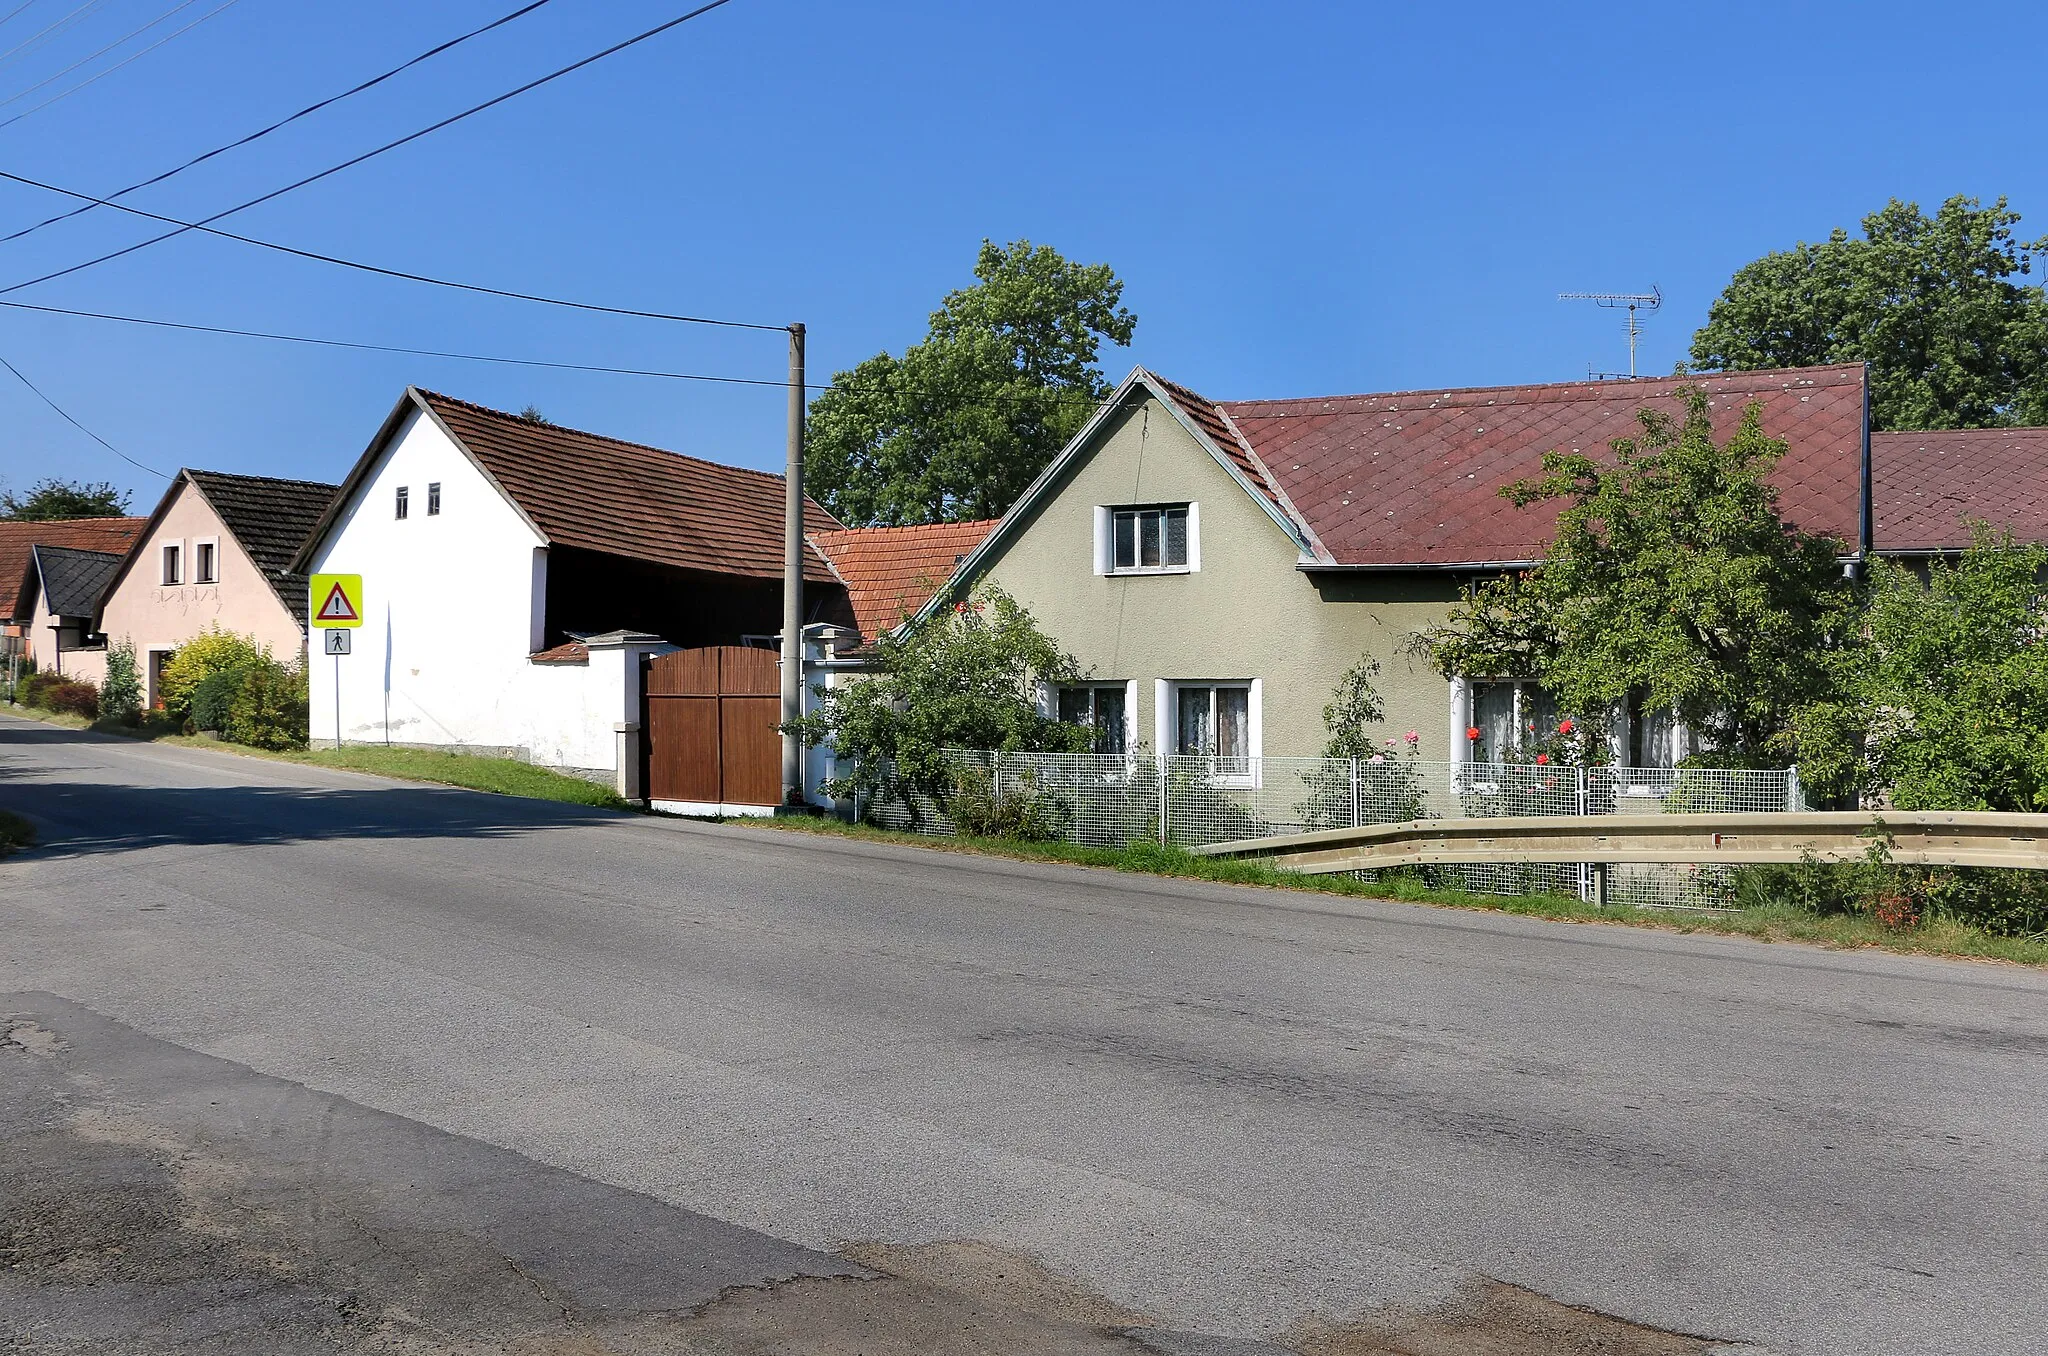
x: 516, y: 572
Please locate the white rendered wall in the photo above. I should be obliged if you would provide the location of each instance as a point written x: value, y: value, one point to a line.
x: 452, y: 608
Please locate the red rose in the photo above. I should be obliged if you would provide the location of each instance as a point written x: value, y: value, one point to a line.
x: 1472, y: 733
x: 1542, y: 758
x: 1565, y: 726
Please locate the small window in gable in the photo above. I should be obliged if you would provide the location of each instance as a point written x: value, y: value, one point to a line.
x: 402, y: 503
x: 1153, y: 539
x: 205, y: 563
x: 433, y: 499
x: 173, y: 565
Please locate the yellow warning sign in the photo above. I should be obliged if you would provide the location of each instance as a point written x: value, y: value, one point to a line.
x: 337, y: 599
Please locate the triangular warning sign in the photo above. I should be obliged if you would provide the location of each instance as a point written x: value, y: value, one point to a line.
x: 337, y: 608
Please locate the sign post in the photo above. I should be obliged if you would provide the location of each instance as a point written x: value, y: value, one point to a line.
x: 337, y: 609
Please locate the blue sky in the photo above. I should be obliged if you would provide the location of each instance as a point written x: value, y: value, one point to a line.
x: 1301, y: 198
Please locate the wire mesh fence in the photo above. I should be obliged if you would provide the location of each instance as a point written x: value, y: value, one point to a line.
x: 1111, y: 800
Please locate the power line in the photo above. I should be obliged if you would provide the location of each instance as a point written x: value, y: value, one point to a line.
x: 73, y: 17
x: 317, y: 257
x: 8, y: 17
x: 387, y: 146
x: 75, y: 424
x: 390, y: 348
x: 98, y: 76
x: 371, y: 83
x: 87, y: 60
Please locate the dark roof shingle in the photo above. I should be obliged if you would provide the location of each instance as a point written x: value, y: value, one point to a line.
x: 73, y: 581
x: 626, y: 499
x: 84, y: 534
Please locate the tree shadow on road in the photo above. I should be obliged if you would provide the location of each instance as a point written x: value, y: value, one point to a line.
x: 77, y: 817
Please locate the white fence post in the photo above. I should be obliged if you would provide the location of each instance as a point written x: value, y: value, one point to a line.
x: 1163, y: 840
x: 1356, y: 809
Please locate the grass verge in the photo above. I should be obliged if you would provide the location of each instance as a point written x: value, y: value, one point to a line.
x: 500, y: 776
x: 1937, y: 937
x: 16, y: 833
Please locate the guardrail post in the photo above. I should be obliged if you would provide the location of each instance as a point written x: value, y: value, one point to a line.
x: 1600, y: 885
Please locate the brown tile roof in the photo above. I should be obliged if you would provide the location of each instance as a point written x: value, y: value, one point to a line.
x: 1925, y: 487
x: 1414, y: 477
x: 891, y: 572
x: 80, y: 534
x: 569, y: 652
x: 627, y: 499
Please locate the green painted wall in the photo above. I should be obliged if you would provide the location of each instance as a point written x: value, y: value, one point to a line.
x: 1246, y: 613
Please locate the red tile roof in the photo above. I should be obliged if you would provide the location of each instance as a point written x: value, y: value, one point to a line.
x: 891, y: 572
x: 78, y: 534
x: 568, y: 652
x: 1414, y: 478
x: 627, y: 499
x: 1925, y: 487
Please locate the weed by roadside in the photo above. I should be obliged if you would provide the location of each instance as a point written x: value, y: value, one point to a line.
x: 1764, y: 923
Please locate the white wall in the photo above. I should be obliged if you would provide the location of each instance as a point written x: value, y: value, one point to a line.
x: 452, y: 608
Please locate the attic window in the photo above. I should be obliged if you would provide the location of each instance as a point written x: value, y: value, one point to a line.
x: 172, y: 573
x: 402, y: 504
x: 1146, y: 539
x: 433, y: 499
x: 205, y: 563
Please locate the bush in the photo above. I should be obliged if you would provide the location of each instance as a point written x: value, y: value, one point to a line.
x: 214, y: 696
x: 268, y: 709
x: 70, y: 696
x: 1021, y: 810
x: 2007, y: 903
x: 121, y: 693
x: 210, y: 651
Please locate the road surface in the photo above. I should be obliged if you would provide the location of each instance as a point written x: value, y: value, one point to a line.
x: 692, y: 1084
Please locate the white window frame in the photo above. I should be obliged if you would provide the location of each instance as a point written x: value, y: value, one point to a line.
x: 211, y: 544
x: 401, y: 504
x: 1105, y: 539
x: 1130, y: 690
x: 170, y: 558
x: 433, y: 499
x: 1166, y: 724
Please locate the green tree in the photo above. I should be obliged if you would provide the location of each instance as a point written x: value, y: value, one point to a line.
x: 1671, y: 578
x: 50, y: 499
x: 121, y: 691
x: 1935, y: 304
x: 1943, y: 701
x: 968, y: 679
x: 957, y: 427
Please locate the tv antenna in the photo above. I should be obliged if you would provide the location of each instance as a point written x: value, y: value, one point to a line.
x: 1644, y: 302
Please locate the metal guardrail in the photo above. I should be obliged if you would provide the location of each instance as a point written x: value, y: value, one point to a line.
x: 1915, y: 837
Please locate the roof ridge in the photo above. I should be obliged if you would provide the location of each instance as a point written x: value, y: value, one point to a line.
x: 530, y: 425
x: 907, y: 527
x: 1842, y: 370
x: 267, y: 480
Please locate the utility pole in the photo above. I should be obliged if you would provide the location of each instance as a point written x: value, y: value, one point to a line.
x: 793, y: 578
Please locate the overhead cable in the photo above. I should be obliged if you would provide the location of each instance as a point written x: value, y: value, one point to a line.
x: 308, y: 110
x: 66, y: 415
x: 380, y: 150
x: 69, y: 19
x: 98, y: 76
x: 88, y: 60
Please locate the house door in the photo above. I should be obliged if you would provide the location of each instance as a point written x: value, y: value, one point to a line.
x: 710, y: 718
x: 157, y: 660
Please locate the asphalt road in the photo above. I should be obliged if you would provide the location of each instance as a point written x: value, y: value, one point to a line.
x: 1131, y: 1111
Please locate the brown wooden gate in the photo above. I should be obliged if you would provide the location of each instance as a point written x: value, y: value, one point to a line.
x: 710, y: 718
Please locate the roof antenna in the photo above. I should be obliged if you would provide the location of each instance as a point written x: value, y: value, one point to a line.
x: 1634, y: 301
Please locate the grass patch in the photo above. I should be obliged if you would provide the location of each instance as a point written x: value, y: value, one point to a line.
x: 500, y: 776
x: 1937, y: 937
x: 16, y: 833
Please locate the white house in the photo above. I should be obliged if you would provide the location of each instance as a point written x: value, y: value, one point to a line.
x: 516, y: 572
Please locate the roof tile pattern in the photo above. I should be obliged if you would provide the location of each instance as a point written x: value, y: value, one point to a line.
x: 627, y: 499
x: 891, y: 572
x: 1414, y: 478
x: 271, y: 519
x: 73, y: 581
x: 1926, y: 487
x: 83, y: 534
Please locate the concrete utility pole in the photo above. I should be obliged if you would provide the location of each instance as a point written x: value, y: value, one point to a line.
x: 793, y: 577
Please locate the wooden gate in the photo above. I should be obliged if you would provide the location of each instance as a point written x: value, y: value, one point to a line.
x: 710, y: 718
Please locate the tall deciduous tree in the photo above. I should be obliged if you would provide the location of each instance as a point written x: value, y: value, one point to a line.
x: 50, y: 499
x: 1937, y: 305
x: 957, y: 427
x: 1671, y: 579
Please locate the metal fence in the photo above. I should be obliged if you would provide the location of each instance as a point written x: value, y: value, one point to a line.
x: 1110, y: 800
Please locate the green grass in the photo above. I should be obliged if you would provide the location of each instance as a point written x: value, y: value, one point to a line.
x: 16, y: 833
x: 501, y: 776
x: 1938, y: 937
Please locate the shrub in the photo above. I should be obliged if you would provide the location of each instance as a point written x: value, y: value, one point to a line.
x: 211, y: 650
x: 121, y: 693
x: 268, y: 708
x: 1022, y: 810
x: 69, y: 695
x: 214, y: 695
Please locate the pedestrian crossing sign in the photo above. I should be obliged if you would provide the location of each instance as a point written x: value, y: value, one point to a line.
x: 337, y: 599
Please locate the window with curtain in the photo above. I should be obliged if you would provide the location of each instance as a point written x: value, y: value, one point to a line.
x: 1101, y: 708
x: 1214, y: 721
x: 1154, y: 538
